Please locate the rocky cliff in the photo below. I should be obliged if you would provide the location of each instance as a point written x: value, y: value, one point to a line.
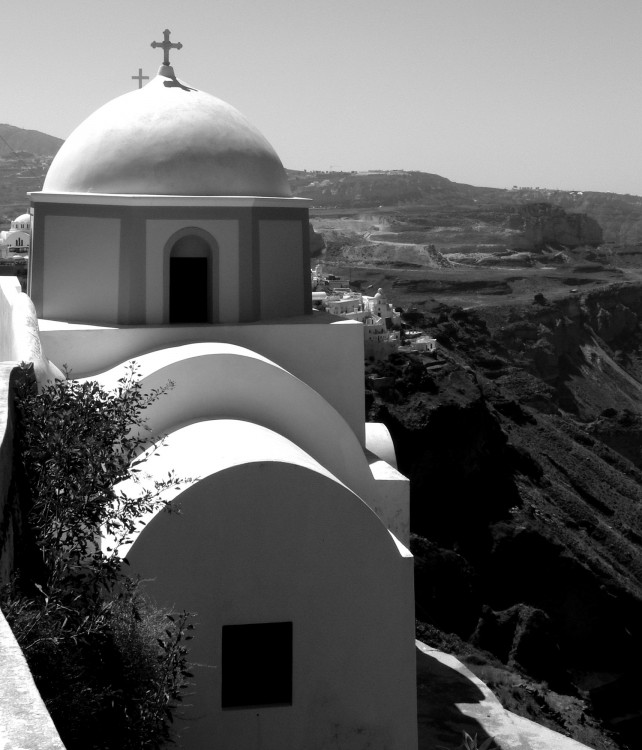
x: 544, y: 224
x: 523, y: 449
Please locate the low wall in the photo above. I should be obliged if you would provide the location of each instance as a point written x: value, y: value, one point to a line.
x: 9, y: 516
x: 9, y: 290
x: 24, y: 719
x: 19, y: 333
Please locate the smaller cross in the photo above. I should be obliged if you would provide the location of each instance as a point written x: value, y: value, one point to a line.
x: 140, y: 78
x: 166, y: 45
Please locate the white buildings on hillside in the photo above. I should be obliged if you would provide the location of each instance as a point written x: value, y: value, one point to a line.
x: 381, y: 322
x: 424, y: 344
x: 379, y: 342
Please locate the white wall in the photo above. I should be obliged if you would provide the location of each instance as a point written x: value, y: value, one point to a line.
x: 324, y: 352
x: 391, y: 502
x: 24, y: 719
x: 213, y: 380
x: 19, y: 335
x: 9, y: 290
x: 269, y: 536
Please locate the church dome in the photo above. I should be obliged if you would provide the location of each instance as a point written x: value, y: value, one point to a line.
x: 24, y: 219
x: 167, y: 139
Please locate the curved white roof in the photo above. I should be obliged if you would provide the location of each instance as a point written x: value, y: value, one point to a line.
x: 217, y: 381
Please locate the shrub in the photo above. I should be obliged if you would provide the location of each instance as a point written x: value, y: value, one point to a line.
x: 109, y: 665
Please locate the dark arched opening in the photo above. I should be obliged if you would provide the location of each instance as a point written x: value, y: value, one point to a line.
x: 190, y: 280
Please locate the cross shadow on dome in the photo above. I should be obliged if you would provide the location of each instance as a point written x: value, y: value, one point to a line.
x: 175, y: 83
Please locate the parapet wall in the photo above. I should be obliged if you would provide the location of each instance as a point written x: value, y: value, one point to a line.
x: 19, y: 333
x: 9, y: 516
x: 24, y: 719
x: 9, y: 290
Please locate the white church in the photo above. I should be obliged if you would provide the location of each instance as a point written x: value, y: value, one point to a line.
x: 17, y: 239
x: 166, y: 233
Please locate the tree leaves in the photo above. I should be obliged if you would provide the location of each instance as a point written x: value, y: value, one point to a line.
x: 79, y: 618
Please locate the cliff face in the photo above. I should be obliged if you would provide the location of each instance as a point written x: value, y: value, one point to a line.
x: 585, y: 348
x: 523, y: 451
x: 543, y: 224
x: 414, y: 237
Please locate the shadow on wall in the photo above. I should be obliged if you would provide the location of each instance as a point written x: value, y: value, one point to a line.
x: 10, y: 512
x: 24, y: 720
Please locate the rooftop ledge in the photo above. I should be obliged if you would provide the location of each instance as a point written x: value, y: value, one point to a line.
x: 46, y: 324
x: 133, y: 199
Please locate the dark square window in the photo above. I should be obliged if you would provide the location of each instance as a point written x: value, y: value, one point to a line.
x: 257, y: 665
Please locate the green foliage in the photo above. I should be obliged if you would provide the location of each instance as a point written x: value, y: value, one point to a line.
x: 110, y: 666
x: 471, y: 743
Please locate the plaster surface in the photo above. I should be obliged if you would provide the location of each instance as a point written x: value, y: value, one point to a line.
x: 214, y: 380
x: 9, y: 290
x: 277, y: 538
x: 322, y: 351
x: 170, y: 139
x: 146, y: 200
x: 71, y: 268
x: 24, y: 721
x: 391, y: 502
x: 451, y: 699
x: 280, y: 262
x: 7, y: 514
x: 19, y: 333
x: 379, y: 441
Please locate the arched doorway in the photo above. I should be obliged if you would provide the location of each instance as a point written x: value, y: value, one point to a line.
x: 192, y: 273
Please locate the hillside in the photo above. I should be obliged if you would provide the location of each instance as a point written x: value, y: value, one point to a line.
x: 522, y: 442
x: 431, y: 209
x: 25, y: 156
x: 16, y: 140
x: 418, y: 208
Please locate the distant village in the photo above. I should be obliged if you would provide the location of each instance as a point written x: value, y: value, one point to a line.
x: 383, y: 329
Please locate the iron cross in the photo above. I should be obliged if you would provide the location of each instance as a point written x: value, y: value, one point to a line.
x: 166, y: 45
x: 140, y: 78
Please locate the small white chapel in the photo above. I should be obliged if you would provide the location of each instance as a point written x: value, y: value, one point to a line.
x: 18, y: 238
x: 166, y: 234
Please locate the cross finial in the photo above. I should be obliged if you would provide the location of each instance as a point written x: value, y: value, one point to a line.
x: 140, y: 78
x: 166, y: 45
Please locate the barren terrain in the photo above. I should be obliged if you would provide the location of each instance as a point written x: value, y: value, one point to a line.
x: 420, y: 267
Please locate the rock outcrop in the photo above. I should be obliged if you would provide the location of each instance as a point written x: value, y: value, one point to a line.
x: 542, y: 224
x: 526, y: 514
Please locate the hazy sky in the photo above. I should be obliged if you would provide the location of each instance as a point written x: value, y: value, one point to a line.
x: 489, y: 92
